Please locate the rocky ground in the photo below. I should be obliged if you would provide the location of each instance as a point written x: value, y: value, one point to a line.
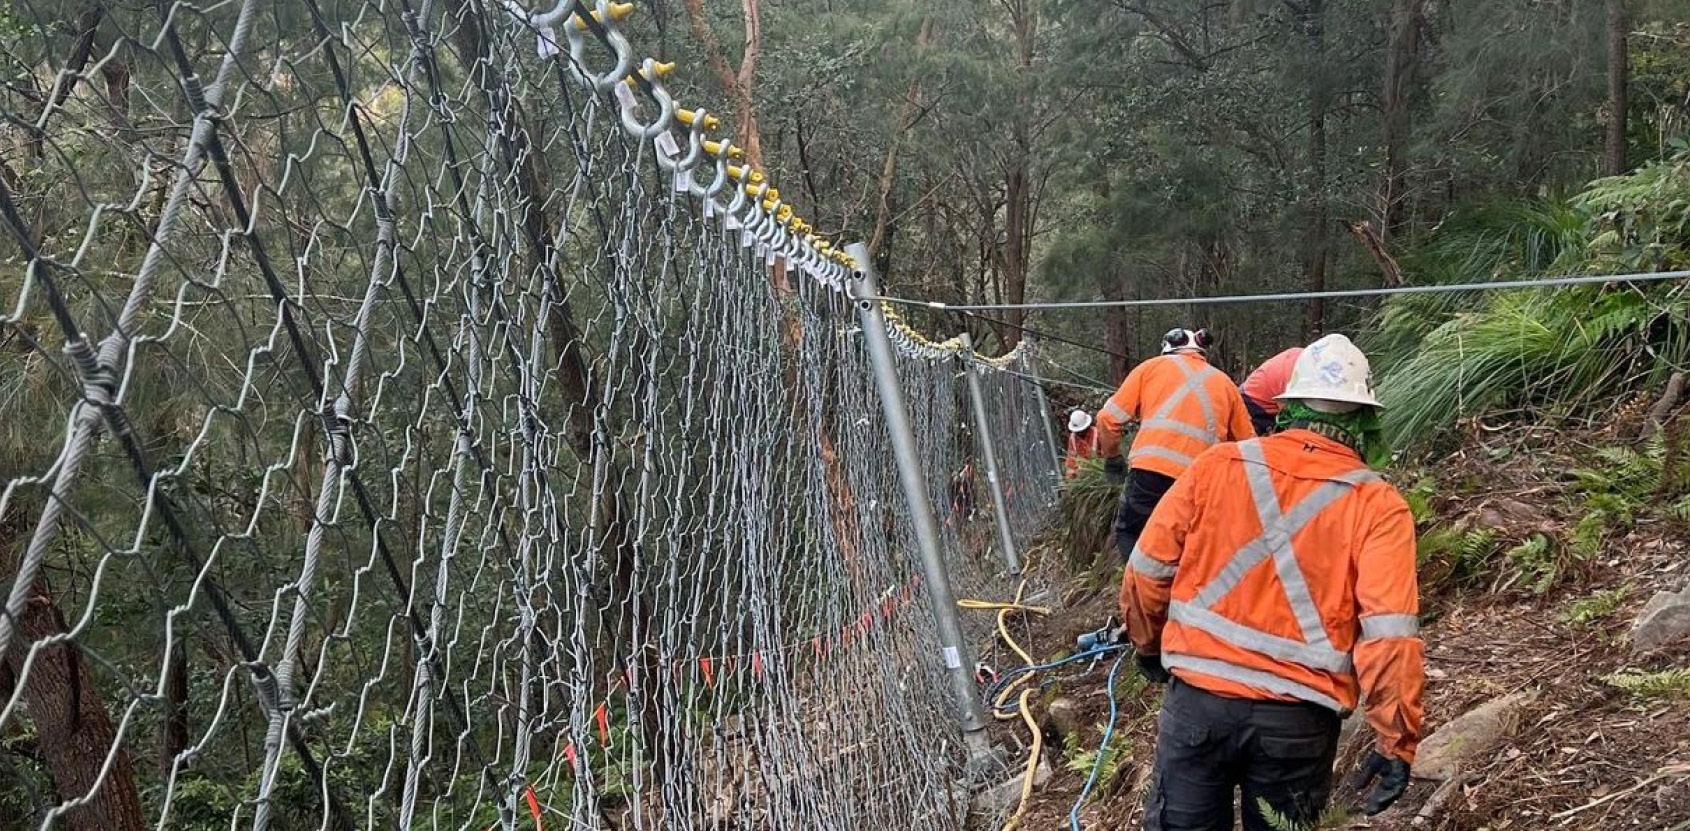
x: 1563, y: 629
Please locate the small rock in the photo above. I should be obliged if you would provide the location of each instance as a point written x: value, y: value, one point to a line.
x: 1508, y: 515
x: 1063, y: 719
x: 1472, y: 734
x: 1664, y: 619
x: 1001, y: 799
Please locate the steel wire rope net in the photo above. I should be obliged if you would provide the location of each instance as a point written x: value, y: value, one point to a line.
x: 396, y: 436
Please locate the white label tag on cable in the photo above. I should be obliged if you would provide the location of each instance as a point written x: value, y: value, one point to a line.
x: 625, y: 97
x: 953, y: 660
x: 665, y: 142
x: 546, y: 42
x: 683, y: 179
x: 769, y: 258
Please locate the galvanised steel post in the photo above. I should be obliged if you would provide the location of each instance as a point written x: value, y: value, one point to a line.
x: 954, y: 651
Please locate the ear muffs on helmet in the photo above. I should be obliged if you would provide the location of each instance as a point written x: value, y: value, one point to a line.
x: 1187, y: 339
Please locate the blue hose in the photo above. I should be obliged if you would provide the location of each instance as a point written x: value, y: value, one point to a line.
x: 1098, y: 651
x: 1102, y: 750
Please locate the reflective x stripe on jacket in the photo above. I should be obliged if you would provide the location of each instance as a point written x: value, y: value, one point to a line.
x: 1080, y: 446
x: 1184, y: 407
x: 1283, y: 568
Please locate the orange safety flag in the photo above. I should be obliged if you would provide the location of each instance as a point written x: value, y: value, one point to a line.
x: 569, y: 753
x: 533, y: 808
x: 757, y: 665
x: 1283, y: 568
x: 602, y: 716
x: 1183, y: 407
x: 709, y: 674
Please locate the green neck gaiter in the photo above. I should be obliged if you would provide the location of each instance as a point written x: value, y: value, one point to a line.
x: 1363, y: 425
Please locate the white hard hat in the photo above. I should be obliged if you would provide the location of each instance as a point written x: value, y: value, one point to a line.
x: 1078, y: 420
x: 1186, y: 340
x: 1331, y: 376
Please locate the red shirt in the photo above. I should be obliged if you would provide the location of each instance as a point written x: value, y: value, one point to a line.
x: 1270, y: 379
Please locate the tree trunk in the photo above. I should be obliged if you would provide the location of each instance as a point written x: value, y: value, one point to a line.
x: 1017, y: 183
x: 176, y: 727
x: 1402, y: 57
x: 1314, y: 258
x: 1615, y: 163
x: 889, y: 166
x: 74, y: 731
x: 1118, y: 339
x: 736, y: 84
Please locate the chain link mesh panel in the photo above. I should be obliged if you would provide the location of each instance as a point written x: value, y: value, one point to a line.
x: 389, y: 442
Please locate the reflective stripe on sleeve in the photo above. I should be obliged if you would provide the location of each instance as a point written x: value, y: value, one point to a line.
x: 1115, y: 410
x: 1313, y: 656
x: 1374, y: 627
x: 1261, y: 680
x: 1150, y: 566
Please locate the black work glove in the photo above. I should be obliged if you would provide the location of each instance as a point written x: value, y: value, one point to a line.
x: 1116, y: 468
x: 1150, y: 666
x: 1392, y: 776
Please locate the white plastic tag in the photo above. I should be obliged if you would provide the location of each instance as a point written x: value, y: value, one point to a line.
x: 665, y: 142
x: 625, y: 96
x: 545, y: 42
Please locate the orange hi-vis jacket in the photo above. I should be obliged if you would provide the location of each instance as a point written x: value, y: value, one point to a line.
x: 1283, y: 568
x: 1081, y: 446
x: 1183, y: 406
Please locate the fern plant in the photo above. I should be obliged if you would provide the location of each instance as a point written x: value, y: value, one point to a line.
x: 1597, y: 607
x: 1667, y: 683
x: 1441, y: 359
x: 1333, y: 817
x: 1117, y: 757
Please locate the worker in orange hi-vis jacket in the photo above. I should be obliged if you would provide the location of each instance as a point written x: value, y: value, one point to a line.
x: 1082, y: 442
x: 1182, y: 406
x: 1276, y: 583
x: 1261, y: 386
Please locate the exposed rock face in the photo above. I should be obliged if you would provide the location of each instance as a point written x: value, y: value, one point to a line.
x: 1665, y: 619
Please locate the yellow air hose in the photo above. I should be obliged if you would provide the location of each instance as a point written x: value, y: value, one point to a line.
x: 1026, y: 712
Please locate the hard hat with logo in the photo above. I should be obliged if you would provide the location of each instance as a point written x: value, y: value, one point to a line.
x: 1186, y: 340
x: 1331, y: 376
x: 1078, y: 420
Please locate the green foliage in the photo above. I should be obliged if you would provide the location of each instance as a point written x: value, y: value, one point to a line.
x: 1536, y: 563
x: 1419, y: 499
x: 1680, y: 510
x: 1667, y: 683
x: 1455, y: 554
x: 1085, y: 514
x: 1335, y: 816
x: 1562, y: 350
x: 1597, y: 607
x: 1117, y: 757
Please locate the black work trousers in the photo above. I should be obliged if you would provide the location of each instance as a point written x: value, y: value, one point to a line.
x: 1263, y: 421
x: 1208, y: 746
x: 1143, y: 490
